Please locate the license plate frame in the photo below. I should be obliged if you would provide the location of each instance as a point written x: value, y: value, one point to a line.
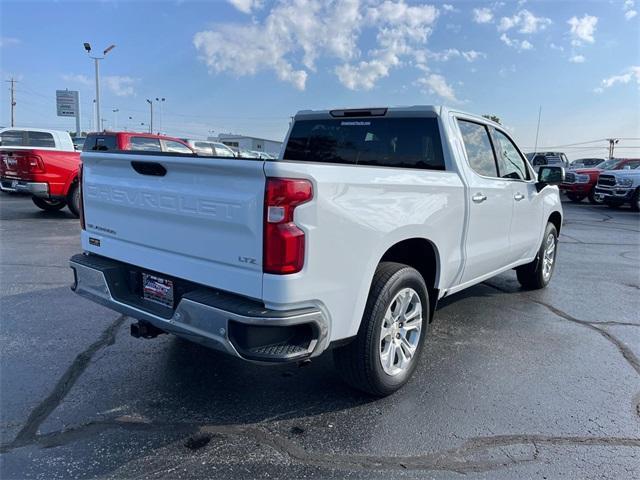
x: 158, y: 290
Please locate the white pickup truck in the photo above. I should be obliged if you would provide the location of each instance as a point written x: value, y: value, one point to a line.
x: 346, y: 242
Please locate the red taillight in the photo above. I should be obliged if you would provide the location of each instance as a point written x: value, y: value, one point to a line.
x: 35, y: 164
x: 81, y: 197
x: 283, y: 240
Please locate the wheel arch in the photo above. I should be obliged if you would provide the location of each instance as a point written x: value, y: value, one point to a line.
x: 556, y: 219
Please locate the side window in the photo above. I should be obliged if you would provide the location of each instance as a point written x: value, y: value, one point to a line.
x: 478, y: 147
x: 203, y: 148
x: 40, y: 139
x: 222, y: 151
x: 144, y: 144
x: 13, y: 138
x: 510, y: 163
x: 175, y: 147
x: 100, y: 143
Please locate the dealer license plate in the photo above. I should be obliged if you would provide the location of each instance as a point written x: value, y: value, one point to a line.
x: 157, y: 289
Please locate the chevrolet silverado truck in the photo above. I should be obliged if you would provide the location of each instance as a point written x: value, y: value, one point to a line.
x: 42, y: 163
x: 346, y: 242
x: 618, y: 187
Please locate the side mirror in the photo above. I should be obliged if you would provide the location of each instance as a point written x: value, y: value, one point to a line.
x: 549, y: 175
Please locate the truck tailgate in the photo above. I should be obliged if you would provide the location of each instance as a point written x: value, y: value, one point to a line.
x: 199, y: 219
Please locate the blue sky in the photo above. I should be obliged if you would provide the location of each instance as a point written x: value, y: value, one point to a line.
x: 245, y: 66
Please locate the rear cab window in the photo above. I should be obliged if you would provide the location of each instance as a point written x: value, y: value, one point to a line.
x: 412, y: 142
x: 100, y: 143
x: 27, y: 138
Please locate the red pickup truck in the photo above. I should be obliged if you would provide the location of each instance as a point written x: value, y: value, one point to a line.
x: 45, y: 164
x: 581, y: 182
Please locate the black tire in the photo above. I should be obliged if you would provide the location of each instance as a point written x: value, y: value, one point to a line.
x: 574, y: 197
x: 613, y: 204
x: 635, y: 200
x: 48, y: 205
x: 531, y: 276
x: 73, y: 200
x: 359, y: 362
x: 592, y: 197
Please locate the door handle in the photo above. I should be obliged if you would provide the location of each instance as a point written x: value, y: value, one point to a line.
x: 479, y: 198
x: 518, y: 196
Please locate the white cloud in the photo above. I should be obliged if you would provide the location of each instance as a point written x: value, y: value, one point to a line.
x: 577, y: 59
x: 437, y: 84
x: 8, y: 41
x: 77, y: 78
x: 553, y: 46
x: 473, y: 55
x: 295, y: 33
x: 628, y: 8
x: 482, y: 15
x: 449, y: 8
x: 122, y: 86
x: 515, y: 43
x: 631, y: 74
x: 525, y: 20
x: 246, y: 6
x: 582, y: 29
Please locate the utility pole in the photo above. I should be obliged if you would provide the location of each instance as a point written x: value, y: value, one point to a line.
x: 13, y: 99
x: 151, y: 120
x: 612, y: 144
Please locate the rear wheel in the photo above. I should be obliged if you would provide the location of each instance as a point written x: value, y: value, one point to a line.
x: 48, y: 205
x: 613, y: 204
x: 385, y: 353
x: 574, y: 197
x: 537, y: 274
x: 73, y: 200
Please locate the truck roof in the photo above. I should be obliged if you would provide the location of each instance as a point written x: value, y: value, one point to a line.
x: 30, y: 129
x: 410, y: 110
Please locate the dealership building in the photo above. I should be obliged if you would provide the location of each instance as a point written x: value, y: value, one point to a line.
x: 248, y: 143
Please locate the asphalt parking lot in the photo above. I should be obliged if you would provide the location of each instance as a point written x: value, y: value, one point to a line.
x: 512, y: 384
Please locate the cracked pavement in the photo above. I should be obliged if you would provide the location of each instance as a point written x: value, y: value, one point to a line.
x: 512, y: 383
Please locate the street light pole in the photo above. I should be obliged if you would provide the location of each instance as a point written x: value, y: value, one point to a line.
x: 96, y: 60
x: 160, y: 101
x: 151, y: 121
x: 115, y: 118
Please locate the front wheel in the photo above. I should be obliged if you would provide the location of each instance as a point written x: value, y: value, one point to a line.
x: 635, y: 200
x: 574, y: 197
x: 537, y: 274
x: 385, y: 353
x: 48, y: 205
x: 593, y: 198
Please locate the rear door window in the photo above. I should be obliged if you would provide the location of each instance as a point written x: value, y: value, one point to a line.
x: 144, y: 144
x: 203, y: 148
x: 100, y: 143
x: 386, y: 142
x: 478, y: 147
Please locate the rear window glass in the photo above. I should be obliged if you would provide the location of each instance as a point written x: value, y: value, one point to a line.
x: 40, y: 139
x: 13, y: 138
x: 144, y: 144
x: 388, y: 142
x: 100, y: 143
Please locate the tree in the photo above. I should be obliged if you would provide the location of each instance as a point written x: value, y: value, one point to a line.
x: 493, y: 118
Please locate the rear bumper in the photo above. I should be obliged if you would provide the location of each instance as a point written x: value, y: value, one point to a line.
x: 219, y: 320
x: 38, y: 189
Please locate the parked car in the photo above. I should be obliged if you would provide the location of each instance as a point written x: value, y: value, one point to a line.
x: 209, y: 149
x: 347, y: 243
x: 133, y: 141
x: 581, y: 183
x: 78, y: 142
x: 42, y: 163
x: 537, y: 159
x: 247, y: 154
x: 585, y: 162
x: 618, y: 187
